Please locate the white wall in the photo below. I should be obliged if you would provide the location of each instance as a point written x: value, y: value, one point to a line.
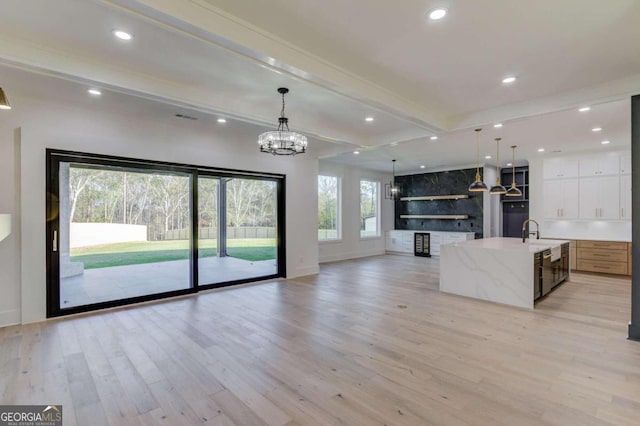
x: 10, y: 246
x: 570, y: 229
x: 351, y: 245
x: 147, y: 136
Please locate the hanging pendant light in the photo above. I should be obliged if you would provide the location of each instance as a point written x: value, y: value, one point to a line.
x: 513, y: 191
x: 392, y: 190
x: 282, y: 141
x: 478, y: 185
x: 497, y: 189
x: 4, y: 102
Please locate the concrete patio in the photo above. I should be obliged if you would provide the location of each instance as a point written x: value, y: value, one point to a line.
x: 121, y: 282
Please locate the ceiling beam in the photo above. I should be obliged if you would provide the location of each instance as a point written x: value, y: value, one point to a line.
x: 203, y: 20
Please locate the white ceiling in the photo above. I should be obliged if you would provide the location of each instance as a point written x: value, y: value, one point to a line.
x: 558, y: 133
x: 345, y: 60
x: 458, y: 63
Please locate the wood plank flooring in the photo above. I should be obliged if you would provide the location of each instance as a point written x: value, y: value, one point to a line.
x: 365, y: 342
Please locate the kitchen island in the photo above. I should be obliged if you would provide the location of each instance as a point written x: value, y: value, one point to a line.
x: 504, y: 270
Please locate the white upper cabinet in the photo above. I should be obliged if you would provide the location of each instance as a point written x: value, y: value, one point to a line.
x: 560, y: 168
x: 600, y: 198
x: 561, y: 199
x: 602, y: 190
x: 625, y: 164
x: 601, y: 165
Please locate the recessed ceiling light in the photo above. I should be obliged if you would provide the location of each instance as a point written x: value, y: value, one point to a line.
x: 497, y: 125
x: 436, y: 14
x: 540, y: 149
x: 356, y: 152
x: 509, y: 164
x: 434, y: 138
x: 222, y: 120
x: 94, y: 92
x: 605, y: 142
x: 508, y: 80
x: 488, y: 157
x: 122, y: 35
x: 369, y: 119
x: 585, y: 109
x: 596, y: 129
x: 422, y: 166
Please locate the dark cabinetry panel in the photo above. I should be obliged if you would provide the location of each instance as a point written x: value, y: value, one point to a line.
x: 452, y: 182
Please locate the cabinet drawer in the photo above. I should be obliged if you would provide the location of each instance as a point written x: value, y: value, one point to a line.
x: 602, y: 254
x: 602, y: 267
x: 608, y: 245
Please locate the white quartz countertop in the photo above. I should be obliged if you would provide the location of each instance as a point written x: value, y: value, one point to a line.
x: 511, y: 244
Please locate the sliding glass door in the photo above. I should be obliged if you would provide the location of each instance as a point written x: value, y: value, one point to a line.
x: 237, y: 229
x: 122, y: 231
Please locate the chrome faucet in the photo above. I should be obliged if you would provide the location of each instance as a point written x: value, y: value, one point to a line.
x: 524, y: 230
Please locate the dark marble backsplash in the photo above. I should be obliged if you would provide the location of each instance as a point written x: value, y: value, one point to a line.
x: 452, y: 182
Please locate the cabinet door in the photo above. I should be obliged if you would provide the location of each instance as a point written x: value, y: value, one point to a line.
x: 589, y: 166
x: 392, y: 241
x: 560, y: 167
x: 589, y: 203
x: 552, y: 199
x: 609, y: 164
x: 551, y: 168
x: 625, y: 197
x: 569, y: 198
x: 569, y: 167
x: 625, y: 164
x: 436, y: 240
x: 407, y: 242
x: 609, y: 197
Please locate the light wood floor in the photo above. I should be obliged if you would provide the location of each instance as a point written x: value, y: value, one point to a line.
x: 365, y: 342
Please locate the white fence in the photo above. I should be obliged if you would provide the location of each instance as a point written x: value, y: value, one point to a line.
x: 93, y: 234
x: 232, y: 233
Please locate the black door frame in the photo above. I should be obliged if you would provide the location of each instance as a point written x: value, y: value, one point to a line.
x: 55, y: 157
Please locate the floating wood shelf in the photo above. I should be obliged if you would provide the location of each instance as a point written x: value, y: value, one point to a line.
x: 434, y: 216
x: 435, y: 197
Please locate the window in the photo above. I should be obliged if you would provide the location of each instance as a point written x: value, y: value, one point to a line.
x: 369, y: 209
x: 328, y: 208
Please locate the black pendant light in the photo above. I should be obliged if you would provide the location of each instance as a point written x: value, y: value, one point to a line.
x: 392, y: 190
x: 513, y: 191
x: 497, y: 189
x: 478, y: 185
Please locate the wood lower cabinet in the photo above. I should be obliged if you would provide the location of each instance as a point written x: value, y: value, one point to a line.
x: 608, y: 257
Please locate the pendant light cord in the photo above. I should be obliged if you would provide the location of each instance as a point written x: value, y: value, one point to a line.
x: 282, y: 111
x: 513, y: 164
x: 478, y: 154
x: 498, y: 160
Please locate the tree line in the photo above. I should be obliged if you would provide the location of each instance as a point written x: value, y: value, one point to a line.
x: 162, y: 201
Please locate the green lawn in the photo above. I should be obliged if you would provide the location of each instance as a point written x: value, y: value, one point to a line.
x: 134, y: 253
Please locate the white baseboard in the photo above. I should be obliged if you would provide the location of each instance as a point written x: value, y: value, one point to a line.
x: 352, y: 255
x: 9, y: 318
x: 300, y: 272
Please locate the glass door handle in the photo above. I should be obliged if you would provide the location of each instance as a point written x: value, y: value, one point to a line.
x: 55, y: 241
